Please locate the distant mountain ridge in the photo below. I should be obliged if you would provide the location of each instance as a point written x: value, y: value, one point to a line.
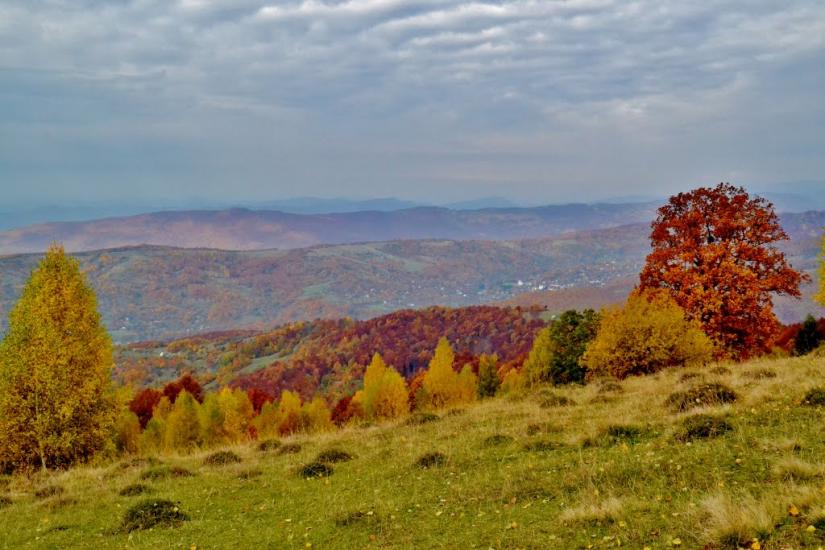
x: 244, y: 229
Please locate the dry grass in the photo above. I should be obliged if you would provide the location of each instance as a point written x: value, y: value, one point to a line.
x: 609, y: 510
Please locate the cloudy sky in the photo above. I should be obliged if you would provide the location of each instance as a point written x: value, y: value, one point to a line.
x: 422, y: 99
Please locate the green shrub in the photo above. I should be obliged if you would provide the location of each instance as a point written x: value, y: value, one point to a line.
x: 221, y: 458
x: 700, y: 396
x: 333, y: 456
x: 315, y: 469
x: 558, y: 348
x: 808, y: 338
x: 431, y: 460
x: 702, y: 426
x: 153, y: 513
x: 134, y: 490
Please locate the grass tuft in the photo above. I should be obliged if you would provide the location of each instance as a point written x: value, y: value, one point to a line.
x: 431, y: 460
x: 49, y: 491
x: 315, y: 470
x: 498, y: 440
x: 815, y: 397
x: 5, y: 501
x: 165, y: 472
x: 333, y: 456
x: 153, y: 513
x: 289, y: 449
x: 607, y: 511
x: 357, y: 518
x: 541, y: 446
x: 795, y: 469
x: 222, y: 458
x: 702, y: 395
x: 420, y: 418
x: 269, y: 445
x: 735, y: 523
x: 702, y: 426
x: 252, y: 473
x: 134, y: 490
x: 551, y: 400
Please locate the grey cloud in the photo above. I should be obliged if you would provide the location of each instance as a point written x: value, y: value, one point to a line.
x: 417, y: 98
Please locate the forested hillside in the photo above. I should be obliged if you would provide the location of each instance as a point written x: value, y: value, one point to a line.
x: 330, y: 355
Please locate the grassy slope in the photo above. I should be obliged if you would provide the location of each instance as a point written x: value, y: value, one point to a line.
x: 646, y: 491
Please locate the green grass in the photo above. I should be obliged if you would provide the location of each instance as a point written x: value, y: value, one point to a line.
x: 594, y: 474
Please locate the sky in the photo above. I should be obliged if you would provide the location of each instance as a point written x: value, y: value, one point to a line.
x: 433, y: 100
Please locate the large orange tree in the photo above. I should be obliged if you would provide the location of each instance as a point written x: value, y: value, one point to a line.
x: 714, y: 251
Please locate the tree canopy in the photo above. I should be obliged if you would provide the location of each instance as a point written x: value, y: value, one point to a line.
x: 57, y: 406
x: 714, y: 251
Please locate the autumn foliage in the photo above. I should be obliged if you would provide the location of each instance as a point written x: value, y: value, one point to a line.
x: 714, y: 252
x: 650, y: 333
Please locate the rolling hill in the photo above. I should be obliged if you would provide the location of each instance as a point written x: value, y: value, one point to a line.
x: 243, y: 229
x: 153, y: 292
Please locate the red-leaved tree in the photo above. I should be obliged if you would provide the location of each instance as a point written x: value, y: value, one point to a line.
x: 714, y: 251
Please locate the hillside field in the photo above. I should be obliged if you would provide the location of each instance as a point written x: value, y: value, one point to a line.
x: 604, y: 465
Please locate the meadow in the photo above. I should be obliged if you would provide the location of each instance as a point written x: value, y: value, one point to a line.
x: 603, y: 465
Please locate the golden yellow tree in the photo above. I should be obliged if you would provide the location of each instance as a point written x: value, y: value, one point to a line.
x: 57, y: 406
x: 127, y: 432
x: 183, y: 424
x: 315, y: 416
x: 821, y: 296
x: 385, y: 391
x: 649, y: 333
x: 289, y: 413
x: 212, y: 421
x: 237, y: 413
x: 441, y: 385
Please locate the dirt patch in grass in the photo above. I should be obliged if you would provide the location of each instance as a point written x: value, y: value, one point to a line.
x: 153, y: 513
x: 333, y: 456
x: 431, y: 460
x: 418, y: 419
x: 357, y: 518
x: 134, y: 490
x: 701, y: 396
x: 702, y: 426
x: 498, y: 440
x: 815, y: 397
x: 289, y: 449
x: 315, y: 469
x: 165, y: 472
x: 49, y: 491
x: 222, y: 458
x: 269, y: 445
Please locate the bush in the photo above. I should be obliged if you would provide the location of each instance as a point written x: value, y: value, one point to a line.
x: 421, y: 418
x: 488, y: 380
x: 221, y: 458
x: 431, y: 460
x: 702, y: 426
x: 269, y: 445
x: 315, y: 469
x: 153, y: 513
x: 557, y: 350
x: 815, y: 397
x: 699, y: 396
x: 333, y: 456
x: 498, y: 439
x: 134, y: 490
x: 648, y: 334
